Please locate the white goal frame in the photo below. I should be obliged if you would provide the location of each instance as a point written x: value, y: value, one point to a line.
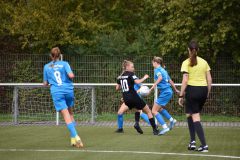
x: 88, y: 85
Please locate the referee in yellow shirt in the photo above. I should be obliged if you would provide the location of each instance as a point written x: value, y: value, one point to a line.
x: 196, y: 86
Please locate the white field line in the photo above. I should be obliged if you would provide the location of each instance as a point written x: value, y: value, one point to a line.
x: 129, y: 152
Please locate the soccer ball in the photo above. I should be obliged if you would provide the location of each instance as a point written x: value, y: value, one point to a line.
x: 144, y: 91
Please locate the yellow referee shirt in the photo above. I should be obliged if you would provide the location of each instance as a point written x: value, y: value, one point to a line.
x: 197, y: 73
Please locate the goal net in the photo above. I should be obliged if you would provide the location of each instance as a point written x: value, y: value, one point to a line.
x: 33, y: 104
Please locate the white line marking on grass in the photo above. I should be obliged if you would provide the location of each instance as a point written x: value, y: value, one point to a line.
x: 130, y: 152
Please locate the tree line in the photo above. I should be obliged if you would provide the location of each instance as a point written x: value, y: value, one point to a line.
x: 121, y: 27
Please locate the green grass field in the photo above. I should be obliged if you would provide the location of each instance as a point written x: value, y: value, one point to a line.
x: 101, y: 143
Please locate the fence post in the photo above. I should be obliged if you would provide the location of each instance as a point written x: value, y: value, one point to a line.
x: 15, y: 105
x: 155, y: 94
x: 93, y: 105
x: 57, y: 118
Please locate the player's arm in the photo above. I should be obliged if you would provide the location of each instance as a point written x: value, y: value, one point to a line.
x: 71, y: 75
x: 45, y: 77
x: 69, y: 71
x: 138, y: 81
x: 209, y: 81
x: 118, y: 87
x: 156, y: 82
x: 173, y: 86
x: 184, y: 86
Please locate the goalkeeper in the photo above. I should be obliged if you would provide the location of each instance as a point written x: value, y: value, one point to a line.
x: 58, y: 75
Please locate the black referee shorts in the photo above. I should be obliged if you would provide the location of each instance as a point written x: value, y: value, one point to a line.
x: 134, y: 101
x: 196, y: 97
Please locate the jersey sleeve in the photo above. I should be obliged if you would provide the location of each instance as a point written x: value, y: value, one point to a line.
x: 133, y: 77
x: 207, y: 67
x: 45, y: 77
x: 184, y: 67
x: 68, y: 68
x: 158, y: 73
x: 118, y: 81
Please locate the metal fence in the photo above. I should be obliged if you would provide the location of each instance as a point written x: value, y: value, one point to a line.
x: 224, y: 100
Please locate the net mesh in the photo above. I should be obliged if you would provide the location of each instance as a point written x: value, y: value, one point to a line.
x: 35, y: 105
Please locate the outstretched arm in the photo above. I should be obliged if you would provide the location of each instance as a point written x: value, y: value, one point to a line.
x: 138, y: 81
x: 156, y: 82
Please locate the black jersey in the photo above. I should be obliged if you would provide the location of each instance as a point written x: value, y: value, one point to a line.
x: 126, y: 80
x: 130, y: 96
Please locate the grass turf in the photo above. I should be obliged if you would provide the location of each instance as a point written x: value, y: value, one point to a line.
x: 221, y: 141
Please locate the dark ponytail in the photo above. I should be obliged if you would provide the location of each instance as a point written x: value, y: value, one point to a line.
x: 193, y: 47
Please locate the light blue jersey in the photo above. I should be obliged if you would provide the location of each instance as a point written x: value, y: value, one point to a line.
x: 164, y: 84
x: 56, y: 74
x: 137, y: 86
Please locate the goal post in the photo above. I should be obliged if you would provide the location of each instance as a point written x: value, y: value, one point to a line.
x: 32, y: 103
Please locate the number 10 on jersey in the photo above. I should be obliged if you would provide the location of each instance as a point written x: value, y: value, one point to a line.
x: 124, y: 85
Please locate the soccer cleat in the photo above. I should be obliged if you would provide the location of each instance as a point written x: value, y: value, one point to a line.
x: 73, y: 142
x: 155, y: 131
x: 203, y: 149
x: 172, y: 124
x: 138, y: 128
x: 119, y: 130
x: 192, y: 146
x: 79, y: 143
x: 163, y: 131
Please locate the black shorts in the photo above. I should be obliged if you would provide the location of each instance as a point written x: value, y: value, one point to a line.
x: 195, y: 97
x: 134, y: 101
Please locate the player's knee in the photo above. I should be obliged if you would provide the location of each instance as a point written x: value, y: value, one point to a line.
x: 160, y: 109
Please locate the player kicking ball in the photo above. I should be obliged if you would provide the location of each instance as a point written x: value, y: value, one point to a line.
x: 59, y: 75
x: 138, y: 113
x: 126, y: 82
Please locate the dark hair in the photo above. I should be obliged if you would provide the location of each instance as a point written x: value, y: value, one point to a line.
x: 158, y: 60
x: 55, y: 53
x: 193, y: 46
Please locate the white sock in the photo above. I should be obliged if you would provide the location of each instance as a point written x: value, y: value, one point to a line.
x: 164, y: 126
x: 171, y: 119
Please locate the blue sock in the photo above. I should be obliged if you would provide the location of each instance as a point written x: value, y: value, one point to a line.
x: 72, y: 129
x: 145, y: 117
x: 160, y: 119
x: 74, y: 123
x: 165, y: 114
x: 120, y: 121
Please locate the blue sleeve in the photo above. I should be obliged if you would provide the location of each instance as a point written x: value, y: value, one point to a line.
x: 169, y: 78
x: 45, y: 77
x: 68, y: 68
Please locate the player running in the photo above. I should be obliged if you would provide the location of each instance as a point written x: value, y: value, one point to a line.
x: 59, y: 75
x: 163, y: 82
x: 126, y: 82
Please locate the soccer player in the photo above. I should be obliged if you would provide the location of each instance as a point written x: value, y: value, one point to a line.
x: 163, y: 82
x: 126, y: 82
x: 138, y: 113
x: 59, y: 75
x: 196, y: 85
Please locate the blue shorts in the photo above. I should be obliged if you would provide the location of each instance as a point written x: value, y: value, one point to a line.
x: 164, y: 97
x: 63, y: 101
